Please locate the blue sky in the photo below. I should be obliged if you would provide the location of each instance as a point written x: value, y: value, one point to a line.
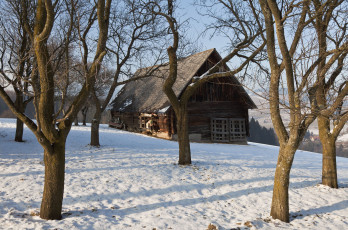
x: 197, y: 26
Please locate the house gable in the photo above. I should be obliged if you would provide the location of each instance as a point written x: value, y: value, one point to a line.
x: 218, y: 104
x: 146, y: 95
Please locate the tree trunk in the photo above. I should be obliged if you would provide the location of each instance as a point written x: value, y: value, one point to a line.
x: 84, y: 115
x: 21, y: 108
x: 76, y: 123
x: 52, y: 200
x: 19, y: 131
x: 95, y: 128
x: 329, y: 173
x: 280, y: 199
x: 183, y: 138
x: 329, y: 169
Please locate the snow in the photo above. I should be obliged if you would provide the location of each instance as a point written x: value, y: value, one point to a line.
x: 133, y: 182
x: 163, y: 110
x: 126, y: 103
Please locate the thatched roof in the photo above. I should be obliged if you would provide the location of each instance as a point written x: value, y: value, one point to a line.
x: 146, y: 94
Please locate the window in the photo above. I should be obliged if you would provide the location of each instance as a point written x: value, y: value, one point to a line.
x: 237, y: 129
x: 228, y: 129
x: 219, y: 129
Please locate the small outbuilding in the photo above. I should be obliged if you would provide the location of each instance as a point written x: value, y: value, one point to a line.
x: 218, y: 110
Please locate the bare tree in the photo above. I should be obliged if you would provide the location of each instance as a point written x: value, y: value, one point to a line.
x: 70, y: 84
x: 291, y: 79
x: 99, y: 90
x: 133, y: 32
x: 288, y: 21
x: 331, y: 88
x: 51, y: 131
x: 289, y: 141
x: 16, y: 57
x: 247, y: 35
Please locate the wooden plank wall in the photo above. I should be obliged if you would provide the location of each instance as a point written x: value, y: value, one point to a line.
x: 219, y: 98
x: 200, y: 114
x: 130, y: 119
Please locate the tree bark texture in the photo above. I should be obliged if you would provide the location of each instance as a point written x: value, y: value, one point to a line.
x: 51, y: 205
x: 329, y: 168
x: 329, y: 172
x: 280, y: 199
x: 183, y: 137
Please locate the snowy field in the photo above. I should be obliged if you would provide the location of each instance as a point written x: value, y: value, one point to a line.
x: 133, y: 182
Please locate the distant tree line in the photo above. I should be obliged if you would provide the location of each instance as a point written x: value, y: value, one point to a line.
x: 260, y: 134
x: 316, y: 146
x: 341, y: 151
x: 263, y: 135
x: 5, y: 112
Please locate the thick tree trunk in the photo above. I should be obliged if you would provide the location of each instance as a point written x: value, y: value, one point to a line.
x: 95, y: 128
x: 329, y: 169
x: 329, y: 173
x: 183, y: 138
x: 280, y: 199
x: 52, y: 200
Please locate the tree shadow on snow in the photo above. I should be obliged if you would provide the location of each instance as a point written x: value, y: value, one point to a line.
x: 320, y: 210
x: 122, y: 212
x: 213, y: 198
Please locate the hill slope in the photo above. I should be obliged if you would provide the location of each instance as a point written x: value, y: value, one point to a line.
x: 133, y: 182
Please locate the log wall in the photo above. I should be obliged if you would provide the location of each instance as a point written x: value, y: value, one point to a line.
x: 219, y: 98
x: 201, y: 113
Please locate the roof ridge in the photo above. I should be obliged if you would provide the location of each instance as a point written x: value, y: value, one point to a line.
x: 147, y: 94
x: 179, y: 59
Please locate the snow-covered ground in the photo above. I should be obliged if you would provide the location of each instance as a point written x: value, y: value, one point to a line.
x: 133, y: 182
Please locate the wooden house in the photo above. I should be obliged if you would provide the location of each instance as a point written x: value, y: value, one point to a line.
x: 218, y: 110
